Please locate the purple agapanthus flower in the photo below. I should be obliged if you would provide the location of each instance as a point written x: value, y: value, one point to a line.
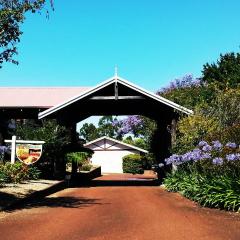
x: 232, y: 157
x: 217, y: 145
x: 217, y: 161
x: 3, y: 149
x: 206, y: 156
x: 202, y: 143
x: 207, y: 148
x: 174, y: 159
x: 231, y: 145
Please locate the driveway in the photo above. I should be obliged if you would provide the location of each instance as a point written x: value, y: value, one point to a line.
x: 117, y: 212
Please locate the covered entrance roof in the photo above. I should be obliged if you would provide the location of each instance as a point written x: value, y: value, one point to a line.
x: 115, y: 96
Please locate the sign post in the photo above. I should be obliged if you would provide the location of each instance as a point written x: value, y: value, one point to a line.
x: 28, y: 151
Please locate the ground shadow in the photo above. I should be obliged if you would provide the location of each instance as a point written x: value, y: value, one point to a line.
x: 115, y: 183
x: 54, y: 202
x: 6, y: 198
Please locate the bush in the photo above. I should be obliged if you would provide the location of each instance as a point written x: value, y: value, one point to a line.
x: 208, y: 190
x: 192, y: 129
x: 17, y: 172
x: 209, y: 175
x: 132, y: 163
x: 86, y: 167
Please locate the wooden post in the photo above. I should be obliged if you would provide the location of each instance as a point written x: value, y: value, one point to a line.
x: 74, y: 140
x: 13, y: 149
x: 174, y: 132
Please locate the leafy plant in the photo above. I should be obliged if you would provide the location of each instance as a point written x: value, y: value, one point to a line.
x: 209, y: 175
x: 86, y: 167
x: 17, y: 172
x: 132, y: 163
x: 56, y: 137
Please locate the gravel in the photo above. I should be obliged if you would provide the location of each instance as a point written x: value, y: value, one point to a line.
x: 10, y: 192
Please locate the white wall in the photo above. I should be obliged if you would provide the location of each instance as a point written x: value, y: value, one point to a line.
x: 110, y: 161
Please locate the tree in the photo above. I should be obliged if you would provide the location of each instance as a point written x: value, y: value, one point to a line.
x: 12, y: 15
x: 225, y: 73
x: 56, y: 137
x: 108, y: 126
x: 89, y: 132
x: 187, y: 91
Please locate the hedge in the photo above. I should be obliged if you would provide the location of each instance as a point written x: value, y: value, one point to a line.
x: 133, y: 163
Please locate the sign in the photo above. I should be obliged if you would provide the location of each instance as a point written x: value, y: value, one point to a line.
x: 28, y: 153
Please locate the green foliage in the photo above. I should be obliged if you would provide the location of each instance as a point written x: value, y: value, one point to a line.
x: 187, y: 91
x: 56, y: 137
x: 192, y: 129
x: 106, y: 127
x: 133, y: 163
x: 228, y: 134
x: 89, y: 132
x: 225, y: 108
x: 138, y: 142
x: 12, y: 15
x: 86, y: 167
x: 78, y: 157
x: 18, y: 172
x: 208, y: 189
x: 225, y: 73
x: 148, y: 160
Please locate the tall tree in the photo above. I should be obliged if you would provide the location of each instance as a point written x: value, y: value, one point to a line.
x: 12, y: 15
x: 225, y: 73
x: 89, y: 132
x: 107, y: 127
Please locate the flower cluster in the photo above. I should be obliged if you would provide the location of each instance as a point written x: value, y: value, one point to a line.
x: 186, y: 81
x: 128, y: 125
x: 217, y: 152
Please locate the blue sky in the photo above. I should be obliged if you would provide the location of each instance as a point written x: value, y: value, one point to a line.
x: 152, y: 42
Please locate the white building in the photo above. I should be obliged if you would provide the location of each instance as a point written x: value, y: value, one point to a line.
x: 108, y: 153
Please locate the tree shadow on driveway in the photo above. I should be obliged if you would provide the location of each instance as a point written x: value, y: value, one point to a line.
x: 55, y: 202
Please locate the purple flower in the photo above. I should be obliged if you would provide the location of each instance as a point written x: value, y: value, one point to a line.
x: 232, y: 157
x: 206, y: 156
x: 3, y: 149
x: 217, y: 145
x: 202, y: 143
x: 207, y: 148
x: 174, y: 159
x: 217, y: 161
x: 231, y: 145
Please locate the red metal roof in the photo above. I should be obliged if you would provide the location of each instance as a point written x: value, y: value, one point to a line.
x: 37, y: 97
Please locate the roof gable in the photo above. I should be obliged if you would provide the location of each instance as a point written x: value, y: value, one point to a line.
x: 99, y: 141
x: 104, y: 85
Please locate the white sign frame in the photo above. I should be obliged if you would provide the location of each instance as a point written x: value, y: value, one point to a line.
x: 13, y: 146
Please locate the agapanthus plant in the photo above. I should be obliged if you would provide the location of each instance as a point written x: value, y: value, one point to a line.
x: 216, y: 152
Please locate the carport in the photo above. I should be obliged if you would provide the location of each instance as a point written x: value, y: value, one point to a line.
x: 117, y: 96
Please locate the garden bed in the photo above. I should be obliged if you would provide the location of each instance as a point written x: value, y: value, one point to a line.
x: 12, y: 192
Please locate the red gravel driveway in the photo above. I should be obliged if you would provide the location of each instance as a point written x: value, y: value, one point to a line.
x: 117, y: 212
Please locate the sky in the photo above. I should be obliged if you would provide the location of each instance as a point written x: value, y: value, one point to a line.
x: 151, y: 41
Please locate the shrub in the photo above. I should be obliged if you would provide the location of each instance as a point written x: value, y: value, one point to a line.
x: 209, y: 174
x: 17, y: 172
x: 193, y: 129
x: 132, y: 163
x: 86, y: 167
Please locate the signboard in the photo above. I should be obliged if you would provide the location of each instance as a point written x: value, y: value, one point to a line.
x: 28, y: 153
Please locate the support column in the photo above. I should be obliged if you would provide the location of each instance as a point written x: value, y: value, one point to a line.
x: 161, y: 145
x: 73, y: 141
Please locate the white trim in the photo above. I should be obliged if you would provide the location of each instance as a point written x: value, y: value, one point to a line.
x: 107, y: 83
x: 116, y: 141
x: 25, y: 141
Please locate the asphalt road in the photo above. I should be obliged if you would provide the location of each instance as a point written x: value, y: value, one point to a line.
x: 117, y: 212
